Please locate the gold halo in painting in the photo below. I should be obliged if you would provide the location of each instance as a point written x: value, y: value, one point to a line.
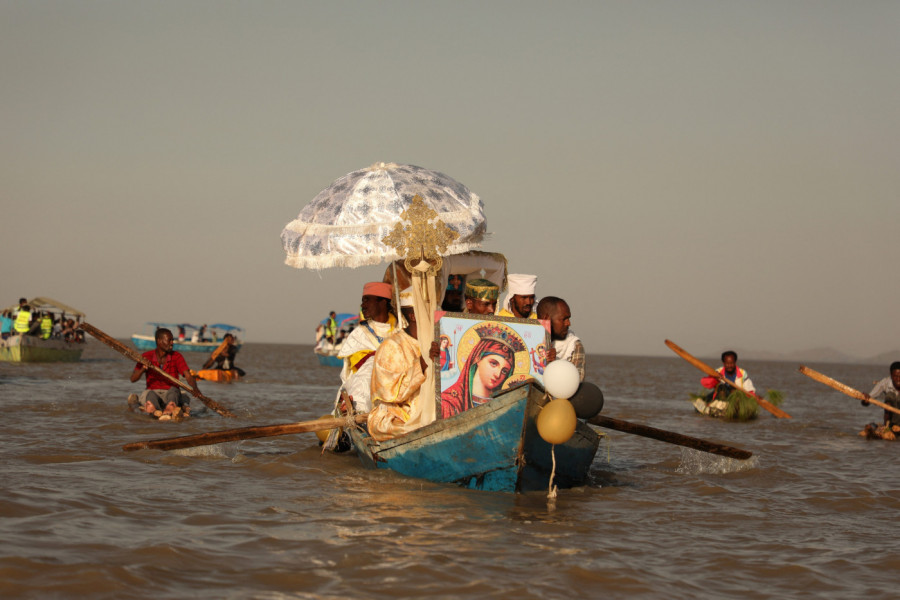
x: 470, y: 338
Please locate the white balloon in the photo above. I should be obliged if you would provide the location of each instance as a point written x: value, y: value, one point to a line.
x: 561, y: 379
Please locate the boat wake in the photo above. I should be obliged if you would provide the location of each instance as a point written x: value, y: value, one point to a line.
x: 229, y: 450
x: 695, y: 462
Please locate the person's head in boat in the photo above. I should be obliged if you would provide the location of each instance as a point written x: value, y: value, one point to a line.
x: 163, y: 340
x: 729, y: 361
x: 481, y: 296
x: 409, y: 312
x: 376, y: 301
x: 453, y: 295
x: 556, y: 310
x: 895, y: 374
x: 520, y: 301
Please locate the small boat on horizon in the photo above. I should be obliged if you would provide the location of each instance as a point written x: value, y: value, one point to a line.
x: 327, y: 352
x: 36, y: 348
x: 202, y: 339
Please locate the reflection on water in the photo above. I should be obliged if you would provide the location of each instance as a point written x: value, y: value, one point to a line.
x: 275, y: 518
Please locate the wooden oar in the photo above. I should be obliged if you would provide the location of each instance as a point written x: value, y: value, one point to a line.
x: 844, y: 389
x: 670, y: 437
x: 713, y: 373
x: 129, y: 353
x: 244, y: 433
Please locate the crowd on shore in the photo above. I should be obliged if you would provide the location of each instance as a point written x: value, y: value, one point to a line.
x: 45, y: 324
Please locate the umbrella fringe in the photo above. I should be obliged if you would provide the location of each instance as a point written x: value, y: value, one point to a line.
x: 382, y: 228
x: 352, y: 262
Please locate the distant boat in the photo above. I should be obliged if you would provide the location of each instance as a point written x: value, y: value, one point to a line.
x: 33, y: 348
x: 492, y: 447
x: 327, y: 352
x: 206, y: 344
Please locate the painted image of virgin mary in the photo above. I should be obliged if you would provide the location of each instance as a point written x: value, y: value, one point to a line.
x: 486, y: 369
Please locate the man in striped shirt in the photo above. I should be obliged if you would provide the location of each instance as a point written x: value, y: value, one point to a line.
x: 565, y: 345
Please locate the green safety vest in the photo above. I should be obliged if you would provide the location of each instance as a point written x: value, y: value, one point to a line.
x: 23, y: 321
x: 46, y: 327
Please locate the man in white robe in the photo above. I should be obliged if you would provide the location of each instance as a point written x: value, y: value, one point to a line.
x: 358, y: 348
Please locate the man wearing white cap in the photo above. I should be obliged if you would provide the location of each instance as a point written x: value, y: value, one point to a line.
x: 520, y: 297
x: 397, y: 375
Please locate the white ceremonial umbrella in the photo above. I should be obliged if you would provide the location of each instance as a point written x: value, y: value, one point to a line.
x: 345, y: 223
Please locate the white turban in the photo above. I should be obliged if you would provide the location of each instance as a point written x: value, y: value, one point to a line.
x: 406, y: 297
x: 519, y: 285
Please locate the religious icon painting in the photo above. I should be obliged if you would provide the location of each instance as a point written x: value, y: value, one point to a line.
x: 483, y: 355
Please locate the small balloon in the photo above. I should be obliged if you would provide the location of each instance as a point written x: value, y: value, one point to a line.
x: 561, y: 379
x: 322, y: 434
x: 588, y: 400
x: 556, y: 422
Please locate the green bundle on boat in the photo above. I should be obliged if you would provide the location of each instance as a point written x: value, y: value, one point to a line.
x: 736, y: 406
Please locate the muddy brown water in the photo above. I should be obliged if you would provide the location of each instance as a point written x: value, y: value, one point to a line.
x: 810, y: 515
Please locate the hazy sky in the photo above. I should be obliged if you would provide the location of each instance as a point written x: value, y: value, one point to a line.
x: 717, y: 173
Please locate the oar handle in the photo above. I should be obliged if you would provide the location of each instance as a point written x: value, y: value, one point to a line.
x: 713, y: 373
x: 245, y: 433
x: 844, y: 389
x: 670, y: 437
x: 129, y: 353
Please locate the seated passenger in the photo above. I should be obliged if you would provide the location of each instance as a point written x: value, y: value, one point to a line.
x: 397, y: 377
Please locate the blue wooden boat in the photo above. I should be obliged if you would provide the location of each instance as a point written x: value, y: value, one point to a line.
x: 217, y: 331
x: 329, y: 360
x: 325, y: 351
x: 492, y: 447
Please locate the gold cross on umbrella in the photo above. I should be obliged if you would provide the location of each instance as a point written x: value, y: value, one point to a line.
x: 422, y: 240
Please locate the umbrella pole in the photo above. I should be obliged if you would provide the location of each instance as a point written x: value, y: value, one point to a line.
x: 396, y: 287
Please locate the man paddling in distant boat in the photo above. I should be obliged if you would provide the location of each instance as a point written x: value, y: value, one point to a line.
x: 161, y: 397
x: 223, y: 356
x: 887, y: 389
x: 564, y: 345
x: 730, y: 371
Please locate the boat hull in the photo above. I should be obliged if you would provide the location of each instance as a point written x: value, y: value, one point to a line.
x: 492, y: 447
x: 29, y: 348
x: 329, y: 360
x: 218, y: 375
x: 148, y: 342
